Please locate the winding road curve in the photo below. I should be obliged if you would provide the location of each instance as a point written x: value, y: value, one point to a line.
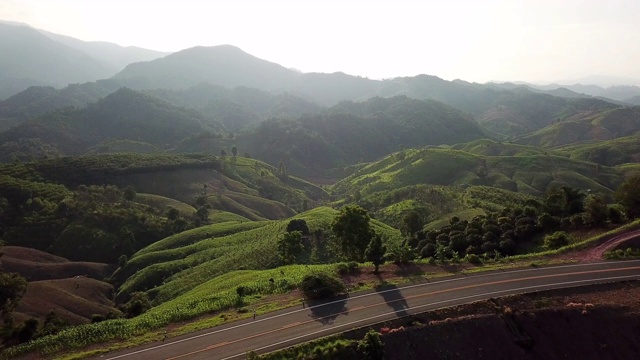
x: 292, y: 326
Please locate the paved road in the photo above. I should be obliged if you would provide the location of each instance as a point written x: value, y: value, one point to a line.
x: 296, y: 325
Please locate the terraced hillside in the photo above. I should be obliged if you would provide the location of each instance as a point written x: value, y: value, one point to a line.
x: 483, y: 174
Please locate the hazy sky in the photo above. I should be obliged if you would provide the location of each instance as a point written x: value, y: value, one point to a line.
x: 474, y: 40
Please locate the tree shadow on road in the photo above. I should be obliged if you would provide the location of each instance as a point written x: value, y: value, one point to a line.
x: 327, y: 310
x: 394, y: 299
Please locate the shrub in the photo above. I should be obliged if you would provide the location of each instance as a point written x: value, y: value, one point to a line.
x: 138, y: 304
x: 371, y: 347
x: 473, y: 259
x: 429, y: 250
x: 241, y: 291
x: 556, y: 240
x: 400, y: 254
x: 347, y: 268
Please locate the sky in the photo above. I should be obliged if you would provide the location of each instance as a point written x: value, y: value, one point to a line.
x: 537, y: 41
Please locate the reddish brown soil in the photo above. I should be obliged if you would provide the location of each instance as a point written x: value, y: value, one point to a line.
x: 73, y: 290
x: 74, y: 300
x: 608, y: 243
x: 37, y: 265
x: 34, y: 255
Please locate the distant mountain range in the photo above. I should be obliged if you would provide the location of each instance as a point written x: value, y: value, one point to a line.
x: 30, y: 57
x: 624, y: 93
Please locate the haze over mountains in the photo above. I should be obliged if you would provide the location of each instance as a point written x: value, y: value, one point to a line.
x: 209, y: 98
x: 69, y: 60
x: 30, y: 56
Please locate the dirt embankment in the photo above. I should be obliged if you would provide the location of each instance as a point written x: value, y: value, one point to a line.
x: 595, y: 253
x: 594, y: 322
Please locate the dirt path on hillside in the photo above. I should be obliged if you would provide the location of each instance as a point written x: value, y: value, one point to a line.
x: 596, y: 253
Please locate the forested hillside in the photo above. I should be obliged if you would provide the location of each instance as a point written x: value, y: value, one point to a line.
x: 356, y: 132
x: 125, y: 115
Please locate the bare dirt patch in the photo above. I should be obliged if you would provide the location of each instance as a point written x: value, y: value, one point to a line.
x: 73, y: 290
x: 37, y: 265
x: 74, y: 300
x: 597, y: 251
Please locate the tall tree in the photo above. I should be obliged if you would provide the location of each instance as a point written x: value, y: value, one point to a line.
x: 290, y: 246
x: 595, y: 210
x: 352, y: 231
x: 411, y: 223
x: 298, y: 225
x: 375, y: 252
x: 628, y: 195
x: 282, y: 171
x: 234, y: 150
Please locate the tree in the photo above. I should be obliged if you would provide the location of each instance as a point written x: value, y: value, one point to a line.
x: 172, y: 214
x: 595, y: 210
x: 556, y: 240
x: 138, y: 304
x: 290, y: 246
x: 298, y: 225
x: 234, y: 151
x: 375, y: 252
x: 28, y: 330
x: 281, y: 169
x: 201, y: 200
x: 411, y: 223
x: 563, y: 201
x: 352, y: 231
x: 12, y: 289
x: 400, y: 253
x: 548, y: 222
x: 628, y: 195
x: 129, y: 193
x: 321, y: 285
x: 371, y: 347
x: 241, y: 291
x: 203, y: 213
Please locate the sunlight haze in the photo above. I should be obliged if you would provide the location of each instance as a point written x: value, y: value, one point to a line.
x: 535, y: 41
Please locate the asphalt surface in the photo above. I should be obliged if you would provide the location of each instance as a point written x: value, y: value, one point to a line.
x: 292, y: 326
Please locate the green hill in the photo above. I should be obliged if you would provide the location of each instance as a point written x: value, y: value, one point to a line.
x: 123, y: 115
x: 610, y: 152
x: 76, y: 208
x: 489, y: 176
x: 605, y: 125
x: 39, y: 100
x: 174, y: 265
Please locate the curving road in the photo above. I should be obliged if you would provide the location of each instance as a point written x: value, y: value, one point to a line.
x: 292, y: 326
